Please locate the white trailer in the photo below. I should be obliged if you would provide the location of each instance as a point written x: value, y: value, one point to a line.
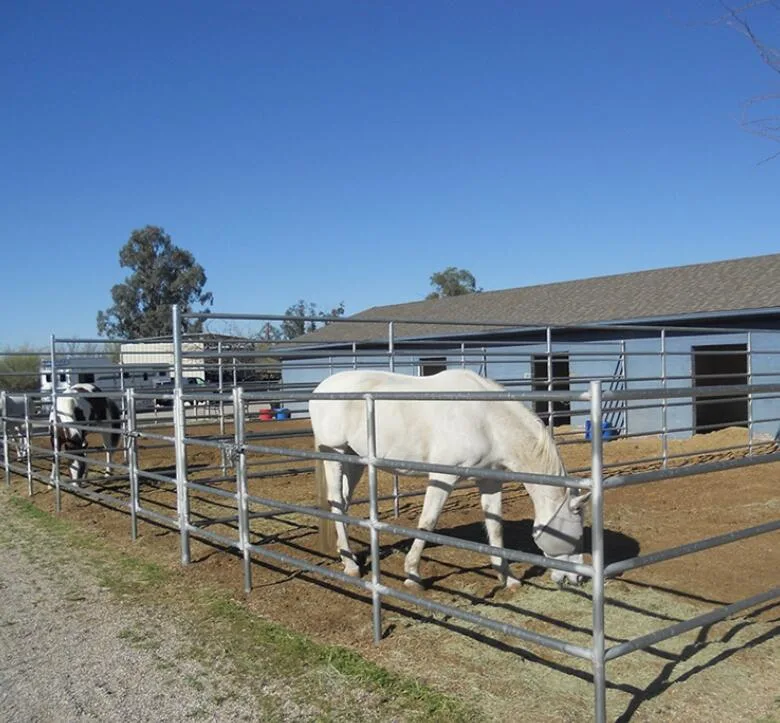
x: 106, y: 374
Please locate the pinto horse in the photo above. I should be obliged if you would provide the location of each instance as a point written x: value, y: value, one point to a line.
x: 501, y: 435
x: 73, y: 413
x: 13, y: 407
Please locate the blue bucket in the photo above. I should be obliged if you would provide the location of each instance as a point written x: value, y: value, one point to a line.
x: 283, y: 413
x: 607, y: 430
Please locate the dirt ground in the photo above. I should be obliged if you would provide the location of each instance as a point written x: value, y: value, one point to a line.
x: 727, y: 671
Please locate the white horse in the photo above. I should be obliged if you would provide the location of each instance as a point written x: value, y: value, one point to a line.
x: 73, y: 413
x: 14, y: 408
x: 502, y: 435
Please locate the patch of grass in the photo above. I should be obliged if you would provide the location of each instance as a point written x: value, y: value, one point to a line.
x: 124, y: 574
x: 294, y: 655
x: 27, y: 510
x: 140, y: 639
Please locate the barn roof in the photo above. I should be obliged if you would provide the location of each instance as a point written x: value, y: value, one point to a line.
x: 723, y: 288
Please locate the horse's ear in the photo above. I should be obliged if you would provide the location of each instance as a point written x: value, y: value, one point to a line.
x: 576, y: 503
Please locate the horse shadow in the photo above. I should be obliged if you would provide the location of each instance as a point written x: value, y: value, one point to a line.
x: 518, y: 536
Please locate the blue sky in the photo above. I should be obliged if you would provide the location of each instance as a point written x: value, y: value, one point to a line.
x: 344, y: 151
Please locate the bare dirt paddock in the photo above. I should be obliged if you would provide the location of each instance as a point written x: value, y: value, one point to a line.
x: 727, y: 671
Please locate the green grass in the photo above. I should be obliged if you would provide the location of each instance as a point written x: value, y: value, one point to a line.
x: 294, y: 655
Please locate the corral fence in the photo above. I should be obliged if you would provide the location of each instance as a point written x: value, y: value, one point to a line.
x: 600, y: 382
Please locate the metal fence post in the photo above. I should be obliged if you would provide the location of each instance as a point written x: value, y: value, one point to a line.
x: 391, y: 353
x: 550, y: 404
x: 597, y: 554
x: 376, y: 599
x: 221, y: 389
x: 180, y: 429
x: 132, y: 460
x: 241, y: 488
x: 624, y: 357
x: 665, y: 403
x: 6, y: 464
x: 123, y: 410
x: 750, y: 394
x: 391, y: 345
x: 55, y: 431
x: 28, y: 444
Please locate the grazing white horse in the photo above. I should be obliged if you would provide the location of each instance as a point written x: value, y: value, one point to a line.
x: 72, y: 414
x: 14, y: 407
x: 501, y: 435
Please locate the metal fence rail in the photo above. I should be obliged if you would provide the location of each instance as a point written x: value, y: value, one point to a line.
x: 598, y: 398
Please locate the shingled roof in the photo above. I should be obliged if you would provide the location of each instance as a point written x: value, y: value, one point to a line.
x: 699, y: 290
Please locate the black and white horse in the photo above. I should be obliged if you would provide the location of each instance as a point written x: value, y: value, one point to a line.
x: 73, y: 415
x: 12, y: 408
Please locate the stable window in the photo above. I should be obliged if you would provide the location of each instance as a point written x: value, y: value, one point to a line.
x: 560, y: 383
x: 432, y: 365
x: 720, y: 365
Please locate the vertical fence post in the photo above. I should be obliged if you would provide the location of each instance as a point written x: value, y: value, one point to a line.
x: 6, y: 463
x: 28, y: 444
x: 391, y: 354
x: 180, y: 428
x: 131, y: 448
x: 597, y: 554
x: 376, y: 599
x: 624, y: 370
x: 241, y: 489
x: 391, y: 346
x: 665, y: 403
x: 550, y: 405
x: 54, y: 430
x: 123, y: 410
x: 221, y: 389
x: 750, y: 393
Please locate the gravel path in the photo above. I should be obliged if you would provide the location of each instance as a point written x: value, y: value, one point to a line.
x: 72, y: 651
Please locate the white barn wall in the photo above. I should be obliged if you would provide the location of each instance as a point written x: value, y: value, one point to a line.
x: 512, y: 366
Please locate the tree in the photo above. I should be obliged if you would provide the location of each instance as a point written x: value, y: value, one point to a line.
x: 20, y: 370
x: 162, y: 275
x: 452, y: 282
x: 298, y: 324
x: 760, y: 114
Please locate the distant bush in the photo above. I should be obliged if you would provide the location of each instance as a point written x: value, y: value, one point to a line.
x: 19, y: 369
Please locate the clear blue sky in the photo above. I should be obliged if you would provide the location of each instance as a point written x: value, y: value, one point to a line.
x: 343, y: 151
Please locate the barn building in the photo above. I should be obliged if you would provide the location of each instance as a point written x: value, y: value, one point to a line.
x: 699, y: 325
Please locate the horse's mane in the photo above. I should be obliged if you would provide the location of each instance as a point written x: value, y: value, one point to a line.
x: 548, y: 454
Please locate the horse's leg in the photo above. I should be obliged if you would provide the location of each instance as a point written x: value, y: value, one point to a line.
x: 108, y: 445
x: 439, y: 488
x: 341, y: 478
x: 490, y: 497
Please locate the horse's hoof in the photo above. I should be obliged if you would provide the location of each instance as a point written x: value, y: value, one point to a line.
x: 513, y: 584
x: 352, y: 571
x: 413, y: 583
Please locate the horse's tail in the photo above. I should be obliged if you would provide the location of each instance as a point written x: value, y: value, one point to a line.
x: 326, y: 537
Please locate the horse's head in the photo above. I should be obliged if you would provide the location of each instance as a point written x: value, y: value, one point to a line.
x: 561, y: 536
